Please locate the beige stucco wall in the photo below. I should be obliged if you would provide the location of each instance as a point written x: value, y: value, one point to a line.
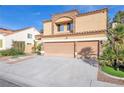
x: 63, y: 19
x: 91, y: 21
x: 96, y: 21
x: 47, y: 28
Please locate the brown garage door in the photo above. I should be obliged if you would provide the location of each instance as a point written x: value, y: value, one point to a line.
x: 87, y: 49
x: 65, y: 49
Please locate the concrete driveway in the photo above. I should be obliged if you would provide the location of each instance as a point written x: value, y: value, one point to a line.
x: 51, y: 71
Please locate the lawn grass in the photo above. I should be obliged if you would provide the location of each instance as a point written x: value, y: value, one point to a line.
x: 112, y: 71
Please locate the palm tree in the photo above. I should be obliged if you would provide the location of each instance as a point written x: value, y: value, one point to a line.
x: 118, y: 43
x: 118, y: 17
x: 113, y: 50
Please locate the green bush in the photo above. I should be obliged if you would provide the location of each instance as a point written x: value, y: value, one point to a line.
x: 11, y: 52
x: 39, y: 48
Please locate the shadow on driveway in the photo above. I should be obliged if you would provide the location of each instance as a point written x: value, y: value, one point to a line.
x: 91, y: 62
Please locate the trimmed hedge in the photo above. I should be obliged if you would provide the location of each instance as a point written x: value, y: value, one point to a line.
x: 11, y: 52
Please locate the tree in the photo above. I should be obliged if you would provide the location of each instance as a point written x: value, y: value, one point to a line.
x: 113, y: 49
x: 118, y: 17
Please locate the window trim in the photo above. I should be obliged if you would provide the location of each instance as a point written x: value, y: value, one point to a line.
x: 59, y: 27
x: 29, y: 36
x: 69, y: 26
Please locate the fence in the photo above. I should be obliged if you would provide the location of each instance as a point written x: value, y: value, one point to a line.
x: 19, y: 45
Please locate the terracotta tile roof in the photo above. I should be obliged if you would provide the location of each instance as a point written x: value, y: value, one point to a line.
x: 78, y: 33
x: 75, y: 10
x: 79, y: 14
x: 47, y: 21
x: 6, y: 31
x: 92, y: 12
x: 22, y: 29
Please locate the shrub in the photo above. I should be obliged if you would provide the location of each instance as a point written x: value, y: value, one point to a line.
x: 11, y: 52
x: 39, y: 48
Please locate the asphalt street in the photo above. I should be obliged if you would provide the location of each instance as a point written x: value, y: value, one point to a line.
x: 4, y: 83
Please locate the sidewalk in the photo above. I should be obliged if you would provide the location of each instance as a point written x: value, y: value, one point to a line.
x: 12, y: 60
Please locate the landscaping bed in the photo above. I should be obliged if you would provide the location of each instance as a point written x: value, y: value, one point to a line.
x: 112, y: 71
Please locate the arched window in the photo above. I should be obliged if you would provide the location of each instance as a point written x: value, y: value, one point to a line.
x: 60, y: 27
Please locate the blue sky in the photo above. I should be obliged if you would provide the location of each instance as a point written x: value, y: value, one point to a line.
x: 18, y: 17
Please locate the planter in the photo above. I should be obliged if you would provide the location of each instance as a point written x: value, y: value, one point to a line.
x: 102, y: 76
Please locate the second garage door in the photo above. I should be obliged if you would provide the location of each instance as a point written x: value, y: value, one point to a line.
x: 65, y: 49
x: 87, y: 49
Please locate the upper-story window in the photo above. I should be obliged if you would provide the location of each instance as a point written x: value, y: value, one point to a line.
x: 60, y: 27
x: 70, y: 26
x: 29, y: 36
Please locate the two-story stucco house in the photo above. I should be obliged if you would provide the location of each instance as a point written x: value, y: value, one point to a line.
x: 27, y: 35
x: 71, y: 34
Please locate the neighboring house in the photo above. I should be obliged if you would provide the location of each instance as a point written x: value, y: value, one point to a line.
x: 3, y: 34
x: 71, y: 34
x: 27, y: 35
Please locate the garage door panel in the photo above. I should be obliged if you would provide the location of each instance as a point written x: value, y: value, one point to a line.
x: 66, y: 49
x: 59, y: 49
x: 87, y: 48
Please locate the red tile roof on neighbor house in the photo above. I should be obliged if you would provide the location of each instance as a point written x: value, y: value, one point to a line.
x: 7, y: 32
